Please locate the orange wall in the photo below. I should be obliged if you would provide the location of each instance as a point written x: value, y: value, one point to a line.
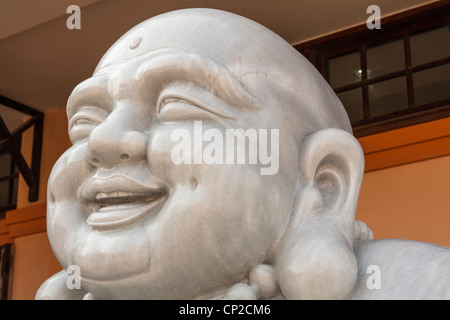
x: 32, y: 264
x: 411, y: 201
x: 33, y: 260
x: 55, y: 140
x: 405, y: 191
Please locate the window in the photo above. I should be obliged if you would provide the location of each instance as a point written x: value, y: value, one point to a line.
x: 390, y: 77
x: 9, y: 178
x: 15, y: 119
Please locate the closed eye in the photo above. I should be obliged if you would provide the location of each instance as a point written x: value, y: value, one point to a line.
x: 81, y: 120
x: 195, y: 104
x: 84, y: 121
x: 166, y: 101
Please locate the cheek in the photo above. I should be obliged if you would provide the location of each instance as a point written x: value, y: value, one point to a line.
x: 64, y: 224
x: 65, y: 217
x: 218, y: 223
x: 68, y: 174
x: 160, y: 153
x: 229, y: 205
x: 233, y: 203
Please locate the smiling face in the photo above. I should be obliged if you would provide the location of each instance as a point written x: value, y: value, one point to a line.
x: 141, y: 226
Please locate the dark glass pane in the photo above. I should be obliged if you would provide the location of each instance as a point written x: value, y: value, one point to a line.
x: 5, y: 165
x: 4, y: 191
x: 432, y: 85
x: 388, y: 96
x: 352, y: 101
x: 430, y: 46
x: 15, y: 190
x: 385, y: 58
x: 343, y: 70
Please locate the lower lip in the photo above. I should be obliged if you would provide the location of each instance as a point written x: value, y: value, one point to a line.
x: 113, y: 217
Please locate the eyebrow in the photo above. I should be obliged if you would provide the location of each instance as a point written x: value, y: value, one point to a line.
x: 167, y: 66
x: 170, y: 65
x: 92, y: 92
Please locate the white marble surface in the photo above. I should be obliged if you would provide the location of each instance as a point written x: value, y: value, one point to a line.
x: 140, y: 226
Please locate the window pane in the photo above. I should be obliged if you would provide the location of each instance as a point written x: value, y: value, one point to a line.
x: 5, y: 165
x: 4, y: 192
x: 388, y: 96
x: 343, y: 70
x: 352, y: 101
x: 432, y: 85
x: 430, y: 46
x: 385, y: 58
x: 15, y: 190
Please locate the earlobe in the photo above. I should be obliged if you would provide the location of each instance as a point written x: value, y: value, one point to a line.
x: 315, y: 259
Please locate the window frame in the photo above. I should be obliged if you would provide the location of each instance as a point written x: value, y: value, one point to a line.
x: 359, y: 38
x: 10, y: 143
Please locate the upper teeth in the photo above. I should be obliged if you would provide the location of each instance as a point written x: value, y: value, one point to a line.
x: 103, y: 195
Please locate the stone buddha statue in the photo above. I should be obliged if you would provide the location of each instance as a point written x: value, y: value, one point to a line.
x: 210, y: 160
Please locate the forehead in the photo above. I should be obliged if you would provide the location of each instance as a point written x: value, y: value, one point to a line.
x: 248, y: 50
x: 200, y: 31
x: 265, y: 65
x: 227, y: 52
x: 149, y: 75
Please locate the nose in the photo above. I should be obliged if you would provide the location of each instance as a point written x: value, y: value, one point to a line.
x: 116, y: 140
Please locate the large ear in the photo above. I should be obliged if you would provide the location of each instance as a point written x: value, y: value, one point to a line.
x: 315, y: 259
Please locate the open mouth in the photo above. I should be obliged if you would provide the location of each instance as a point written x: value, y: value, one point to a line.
x: 117, y: 206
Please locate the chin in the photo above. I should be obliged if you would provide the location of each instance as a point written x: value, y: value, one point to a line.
x: 109, y: 255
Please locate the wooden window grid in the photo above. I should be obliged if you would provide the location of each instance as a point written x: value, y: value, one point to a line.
x: 359, y: 39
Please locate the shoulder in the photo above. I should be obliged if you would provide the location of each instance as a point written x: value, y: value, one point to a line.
x: 405, y: 270
x: 56, y: 288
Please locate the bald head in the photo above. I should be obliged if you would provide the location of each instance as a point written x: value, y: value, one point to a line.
x: 265, y: 65
x: 140, y: 224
